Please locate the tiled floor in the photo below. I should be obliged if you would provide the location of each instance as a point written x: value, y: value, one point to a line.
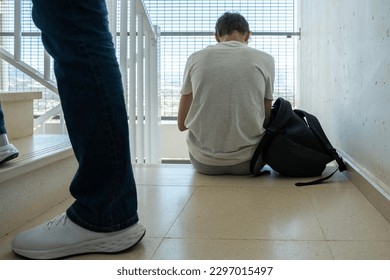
x: 192, y: 216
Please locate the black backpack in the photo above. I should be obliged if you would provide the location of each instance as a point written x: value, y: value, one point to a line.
x: 294, y: 145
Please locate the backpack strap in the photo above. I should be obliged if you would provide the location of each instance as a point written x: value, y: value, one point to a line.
x: 315, y: 125
x: 316, y: 182
x: 281, y: 113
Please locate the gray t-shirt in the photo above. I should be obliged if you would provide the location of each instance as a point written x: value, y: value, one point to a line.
x: 229, y: 82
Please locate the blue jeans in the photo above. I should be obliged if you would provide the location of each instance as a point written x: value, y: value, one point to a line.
x: 2, y: 125
x: 76, y: 34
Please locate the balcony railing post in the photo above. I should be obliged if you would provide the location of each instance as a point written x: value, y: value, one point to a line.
x: 132, y: 76
x: 140, y: 90
x: 148, y: 132
x: 46, y: 66
x: 123, y: 44
x: 4, y: 79
x: 18, y: 30
x: 155, y: 98
x: 112, y: 6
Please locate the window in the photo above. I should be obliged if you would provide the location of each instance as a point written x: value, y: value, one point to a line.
x: 187, y: 26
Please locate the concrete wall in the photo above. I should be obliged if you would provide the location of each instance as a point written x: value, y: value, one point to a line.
x: 344, y: 78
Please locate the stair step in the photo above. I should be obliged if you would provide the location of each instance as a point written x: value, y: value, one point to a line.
x: 18, y: 112
x: 35, y: 181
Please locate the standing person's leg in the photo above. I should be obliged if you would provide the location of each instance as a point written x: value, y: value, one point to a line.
x: 7, y: 150
x: 76, y: 35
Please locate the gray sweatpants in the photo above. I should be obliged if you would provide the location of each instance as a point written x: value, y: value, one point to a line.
x: 238, y: 169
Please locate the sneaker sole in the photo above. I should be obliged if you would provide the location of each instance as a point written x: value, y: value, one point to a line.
x: 111, y: 244
x: 9, y: 158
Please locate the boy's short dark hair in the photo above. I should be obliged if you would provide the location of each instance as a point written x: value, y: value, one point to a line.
x: 229, y: 22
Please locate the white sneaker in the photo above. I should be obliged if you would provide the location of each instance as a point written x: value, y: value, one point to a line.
x: 7, y: 153
x: 61, y: 237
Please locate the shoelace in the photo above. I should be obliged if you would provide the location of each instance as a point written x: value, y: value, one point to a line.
x: 63, y: 218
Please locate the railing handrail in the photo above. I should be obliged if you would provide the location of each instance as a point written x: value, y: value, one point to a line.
x: 28, y: 70
x: 141, y: 8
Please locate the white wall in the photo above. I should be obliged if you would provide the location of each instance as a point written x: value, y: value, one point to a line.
x: 173, y: 143
x: 344, y: 77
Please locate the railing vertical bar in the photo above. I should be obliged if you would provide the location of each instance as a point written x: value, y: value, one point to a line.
x: 4, y: 79
x: 123, y: 44
x: 112, y: 6
x: 132, y: 78
x: 18, y: 30
x: 46, y: 66
x: 62, y: 122
x: 140, y: 90
x: 148, y: 156
x: 155, y: 99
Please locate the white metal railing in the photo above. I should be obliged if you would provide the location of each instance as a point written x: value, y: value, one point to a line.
x: 138, y: 59
x: 43, y: 79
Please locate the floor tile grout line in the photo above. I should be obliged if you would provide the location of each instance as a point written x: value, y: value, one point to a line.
x: 307, y: 195
x: 178, y: 215
x: 181, y: 211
